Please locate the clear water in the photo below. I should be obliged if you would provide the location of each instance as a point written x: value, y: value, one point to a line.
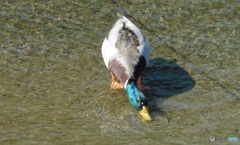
x: 55, y: 88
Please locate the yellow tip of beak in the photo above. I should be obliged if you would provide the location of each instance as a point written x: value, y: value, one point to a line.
x: 144, y: 113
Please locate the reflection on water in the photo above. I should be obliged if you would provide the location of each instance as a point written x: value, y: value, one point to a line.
x: 166, y: 79
x: 55, y: 88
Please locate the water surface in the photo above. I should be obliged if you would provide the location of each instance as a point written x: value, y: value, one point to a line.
x: 55, y: 88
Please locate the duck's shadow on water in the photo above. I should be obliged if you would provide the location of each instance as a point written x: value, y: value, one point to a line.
x: 166, y: 79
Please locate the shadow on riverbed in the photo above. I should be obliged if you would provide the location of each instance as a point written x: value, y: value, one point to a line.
x: 166, y: 79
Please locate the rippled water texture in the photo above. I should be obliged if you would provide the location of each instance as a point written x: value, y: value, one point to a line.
x: 55, y: 88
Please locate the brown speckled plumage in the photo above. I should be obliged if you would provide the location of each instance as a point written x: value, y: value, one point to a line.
x: 127, y: 44
x: 125, y: 50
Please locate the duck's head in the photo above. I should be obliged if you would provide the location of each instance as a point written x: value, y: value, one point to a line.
x: 137, y: 99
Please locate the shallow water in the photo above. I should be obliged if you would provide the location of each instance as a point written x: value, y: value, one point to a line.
x: 55, y: 88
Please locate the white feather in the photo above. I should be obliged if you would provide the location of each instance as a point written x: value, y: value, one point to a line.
x: 109, y: 50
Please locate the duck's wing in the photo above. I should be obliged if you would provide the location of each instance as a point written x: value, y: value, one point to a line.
x: 125, y: 50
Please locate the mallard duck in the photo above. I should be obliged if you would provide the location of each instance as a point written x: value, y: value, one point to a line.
x: 125, y: 52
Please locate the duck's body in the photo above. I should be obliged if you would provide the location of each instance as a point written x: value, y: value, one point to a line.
x: 126, y: 53
x: 125, y: 50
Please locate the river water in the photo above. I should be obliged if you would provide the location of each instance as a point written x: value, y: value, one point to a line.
x: 55, y: 88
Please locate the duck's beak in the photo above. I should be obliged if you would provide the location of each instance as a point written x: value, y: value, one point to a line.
x: 145, y: 114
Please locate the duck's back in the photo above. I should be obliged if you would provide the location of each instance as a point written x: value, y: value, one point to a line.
x: 126, y: 50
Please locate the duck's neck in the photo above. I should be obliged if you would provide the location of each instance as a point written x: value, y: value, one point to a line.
x: 131, y: 87
x: 134, y: 95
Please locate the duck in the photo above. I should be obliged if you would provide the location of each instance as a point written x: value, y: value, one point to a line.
x: 126, y: 53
